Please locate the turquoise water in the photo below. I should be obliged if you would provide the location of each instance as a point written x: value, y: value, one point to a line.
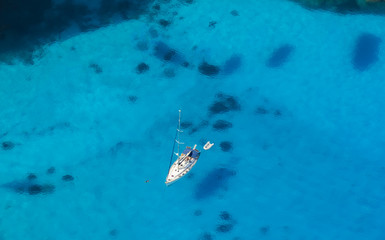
x: 298, y: 154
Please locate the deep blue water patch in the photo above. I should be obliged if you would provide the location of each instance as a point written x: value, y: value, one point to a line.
x: 366, y: 51
x: 26, y: 25
x: 226, y: 146
x: 169, y: 73
x: 226, y: 222
x: 156, y: 7
x: 185, y: 124
x: 132, y: 98
x: 224, y: 228
x: 167, y: 54
x: 164, y: 23
x: 261, y: 110
x: 264, y: 230
x: 200, y: 126
x: 216, y: 180
x: 97, y: 69
x: 206, y: 236
x: 224, y: 103
x: 40, y: 189
x: 113, y: 232
x: 341, y: 7
x: 188, y: 1
x: 208, y: 69
x: 125, y: 9
x: 225, y: 215
x: 277, y: 113
x: 212, y: 24
x: 235, y: 13
x: 51, y: 170
x: 28, y: 186
x: 67, y: 178
x: 142, y: 68
x: 280, y: 56
x: 31, y: 176
x: 222, y: 125
x: 198, y: 212
x: 7, y: 145
x: 232, y: 64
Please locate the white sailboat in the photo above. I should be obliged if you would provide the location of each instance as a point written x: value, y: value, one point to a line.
x: 185, y: 161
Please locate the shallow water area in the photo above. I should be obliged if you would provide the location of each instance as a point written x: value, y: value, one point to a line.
x: 291, y: 97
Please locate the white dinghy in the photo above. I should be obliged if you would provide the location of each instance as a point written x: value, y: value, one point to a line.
x: 208, y: 145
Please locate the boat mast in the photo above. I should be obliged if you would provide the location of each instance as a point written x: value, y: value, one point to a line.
x: 176, y: 140
x: 179, y: 131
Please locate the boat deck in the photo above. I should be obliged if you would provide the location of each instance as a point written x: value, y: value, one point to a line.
x: 181, y: 166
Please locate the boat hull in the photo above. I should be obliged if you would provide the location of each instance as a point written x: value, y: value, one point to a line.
x: 182, y: 166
